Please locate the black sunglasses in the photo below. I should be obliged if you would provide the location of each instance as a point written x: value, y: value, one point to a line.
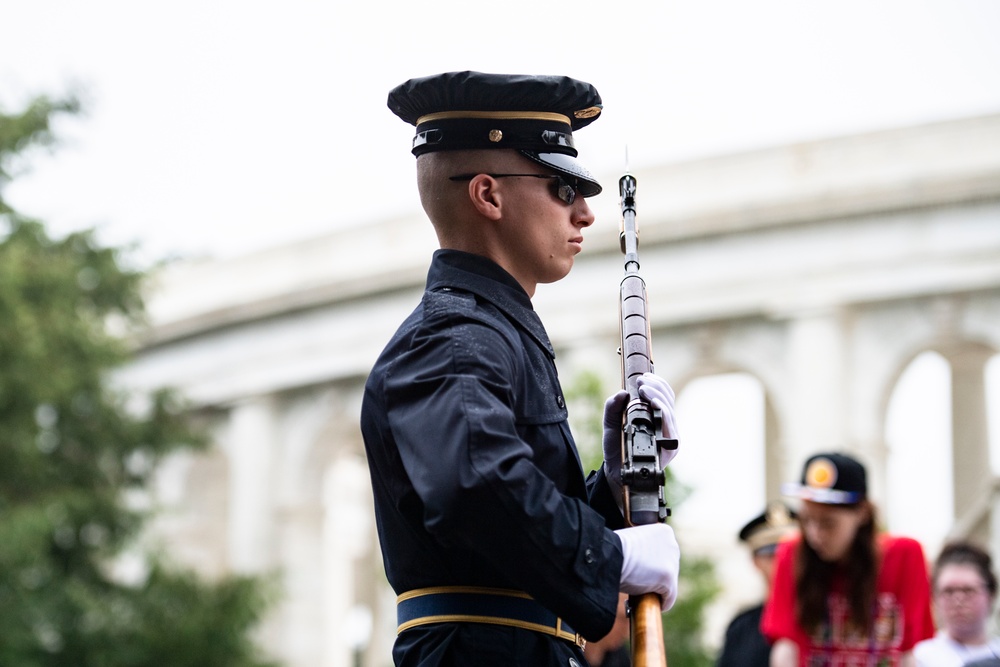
x: 565, y: 191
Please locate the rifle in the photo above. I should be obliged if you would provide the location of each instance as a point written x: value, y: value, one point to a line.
x: 642, y: 432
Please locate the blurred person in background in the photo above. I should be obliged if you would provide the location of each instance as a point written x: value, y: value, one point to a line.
x: 843, y: 592
x: 744, y: 645
x: 965, y: 588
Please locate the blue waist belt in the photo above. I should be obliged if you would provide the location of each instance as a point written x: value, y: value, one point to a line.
x: 469, y: 604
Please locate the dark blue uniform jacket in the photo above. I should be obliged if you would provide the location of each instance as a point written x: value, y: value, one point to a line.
x: 476, y: 478
x: 745, y: 646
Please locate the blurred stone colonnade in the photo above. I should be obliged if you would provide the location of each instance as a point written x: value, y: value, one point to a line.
x: 819, y: 270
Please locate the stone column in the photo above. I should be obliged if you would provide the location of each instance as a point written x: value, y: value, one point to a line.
x: 302, y: 449
x: 346, y: 538
x: 970, y: 445
x: 248, y: 444
x: 817, y: 388
x: 301, y: 628
x: 774, y: 454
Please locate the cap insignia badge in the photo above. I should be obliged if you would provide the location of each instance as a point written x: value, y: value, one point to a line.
x: 821, y: 474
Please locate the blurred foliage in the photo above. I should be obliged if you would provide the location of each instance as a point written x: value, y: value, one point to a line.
x: 26, y: 129
x: 683, y: 624
x: 585, y: 397
x: 74, y: 449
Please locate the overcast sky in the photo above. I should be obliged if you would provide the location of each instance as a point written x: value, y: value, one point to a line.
x: 218, y: 128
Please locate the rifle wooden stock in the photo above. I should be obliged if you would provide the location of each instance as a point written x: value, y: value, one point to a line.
x: 646, y: 631
x: 642, y: 433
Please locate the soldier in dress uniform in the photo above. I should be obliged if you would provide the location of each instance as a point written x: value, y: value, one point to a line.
x: 744, y: 644
x: 500, y: 550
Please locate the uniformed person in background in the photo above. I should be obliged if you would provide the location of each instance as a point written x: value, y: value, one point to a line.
x: 499, y: 549
x: 744, y: 645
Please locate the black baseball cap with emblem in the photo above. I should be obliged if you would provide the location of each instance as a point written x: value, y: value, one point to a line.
x: 831, y: 478
x: 534, y: 115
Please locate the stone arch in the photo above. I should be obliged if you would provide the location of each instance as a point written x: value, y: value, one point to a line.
x: 919, y: 482
x: 890, y: 382
x: 714, y: 520
x: 972, y: 478
x: 360, y: 606
x: 194, y: 506
x: 750, y: 347
x: 770, y: 423
x: 315, y: 446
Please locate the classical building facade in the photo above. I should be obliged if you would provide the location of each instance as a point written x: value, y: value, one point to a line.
x: 821, y: 270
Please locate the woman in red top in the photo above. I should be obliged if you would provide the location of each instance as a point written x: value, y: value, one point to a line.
x: 845, y: 595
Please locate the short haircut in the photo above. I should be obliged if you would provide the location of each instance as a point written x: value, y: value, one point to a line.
x: 966, y: 553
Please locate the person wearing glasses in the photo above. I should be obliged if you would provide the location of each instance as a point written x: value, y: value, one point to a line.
x: 499, y: 549
x: 843, y: 592
x: 744, y: 645
x: 965, y: 589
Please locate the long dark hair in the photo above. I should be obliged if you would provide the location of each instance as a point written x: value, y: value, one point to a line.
x: 859, y: 571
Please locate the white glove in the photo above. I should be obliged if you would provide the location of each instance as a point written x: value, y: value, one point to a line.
x: 654, y: 389
x: 652, y: 562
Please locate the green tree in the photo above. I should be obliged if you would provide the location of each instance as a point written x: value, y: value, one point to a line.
x: 73, y: 448
x: 682, y: 626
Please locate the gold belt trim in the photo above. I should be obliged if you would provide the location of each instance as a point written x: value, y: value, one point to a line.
x: 557, y: 629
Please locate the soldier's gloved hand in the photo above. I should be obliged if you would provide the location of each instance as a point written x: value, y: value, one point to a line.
x: 652, y: 562
x: 654, y: 389
x: 613, y: 409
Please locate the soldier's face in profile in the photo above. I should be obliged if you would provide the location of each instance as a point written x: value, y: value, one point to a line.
x: 545, y: 231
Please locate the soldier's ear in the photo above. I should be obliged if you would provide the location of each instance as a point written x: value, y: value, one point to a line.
x: 484, y: 193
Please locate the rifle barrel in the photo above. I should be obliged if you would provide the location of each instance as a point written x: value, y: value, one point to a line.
x: 642, y: 475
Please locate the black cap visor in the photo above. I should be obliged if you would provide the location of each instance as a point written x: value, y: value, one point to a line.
x: 568, y: 165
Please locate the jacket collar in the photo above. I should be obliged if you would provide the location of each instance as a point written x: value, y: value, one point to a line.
x: 487, y: 280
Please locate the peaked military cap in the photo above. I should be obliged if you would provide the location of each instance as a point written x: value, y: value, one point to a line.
x: 535, y: 115
x: 763, y: 533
